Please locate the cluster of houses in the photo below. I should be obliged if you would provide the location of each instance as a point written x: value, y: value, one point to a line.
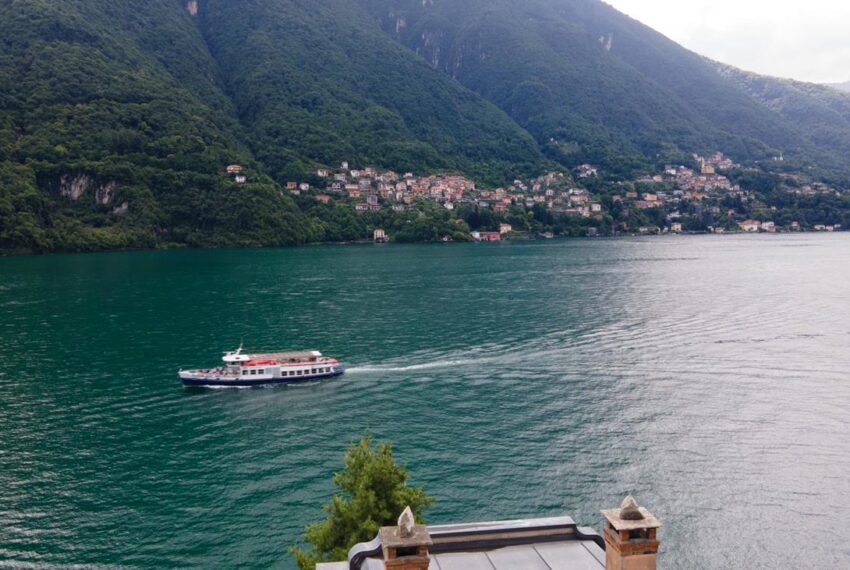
x: 504, y: 229
x: 754, y: 226
x: 813, y: 189
x: 797, y: 185
x: 697, y: 185
x: 367, y: 188
x: 677, y: 188
x: 688, y: 183
x: 370, y: 189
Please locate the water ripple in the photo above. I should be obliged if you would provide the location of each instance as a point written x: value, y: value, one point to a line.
x: 708, y: 376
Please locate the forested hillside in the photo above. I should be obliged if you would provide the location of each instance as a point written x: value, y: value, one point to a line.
x: 316, y: 82
x: 592, y: 84
x: 118, y: 119
x: 114, y: 131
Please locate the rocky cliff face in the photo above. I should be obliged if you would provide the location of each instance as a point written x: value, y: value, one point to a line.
x: 75, y: 186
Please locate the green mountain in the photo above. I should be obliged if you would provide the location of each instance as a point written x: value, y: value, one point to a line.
x: 114, y: 129
x: 117, y: 119
x: 593, y: 84
x: 316, y: 81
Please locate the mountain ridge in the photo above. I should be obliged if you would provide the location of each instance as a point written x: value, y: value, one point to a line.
x: 117, y: 119
x: 660, y: 87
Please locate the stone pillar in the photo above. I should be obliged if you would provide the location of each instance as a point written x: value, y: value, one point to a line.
x: 631, y: 541
x: 406, y: 546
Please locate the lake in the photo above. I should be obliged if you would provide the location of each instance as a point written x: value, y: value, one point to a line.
x: 706, y: 375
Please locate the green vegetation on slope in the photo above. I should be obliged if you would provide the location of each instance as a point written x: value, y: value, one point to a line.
x: 594, y: 85
x: 117, y: 118
x: 317, y: 82
x: 116, y: 121
x: 106, y: 103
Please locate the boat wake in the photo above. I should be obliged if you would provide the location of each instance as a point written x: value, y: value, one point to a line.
x: 491, y: 354
x: 410, y: 368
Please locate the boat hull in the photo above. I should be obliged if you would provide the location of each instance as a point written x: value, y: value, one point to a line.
x: 204, y: 381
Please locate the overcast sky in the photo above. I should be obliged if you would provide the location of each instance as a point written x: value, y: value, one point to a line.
x: 807, y: 40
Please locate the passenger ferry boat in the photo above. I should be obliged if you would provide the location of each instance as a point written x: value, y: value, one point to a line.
x: 258, y: 369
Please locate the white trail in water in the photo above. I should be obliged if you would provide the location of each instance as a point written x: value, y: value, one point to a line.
x: 426, y: 366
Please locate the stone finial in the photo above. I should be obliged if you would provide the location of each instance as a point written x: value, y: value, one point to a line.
x: 406, y: 523
x: 631, y: 537
x: 629, y: 510
x: 405, y: 546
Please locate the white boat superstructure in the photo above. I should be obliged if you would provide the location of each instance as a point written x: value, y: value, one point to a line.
x: 241, y: 369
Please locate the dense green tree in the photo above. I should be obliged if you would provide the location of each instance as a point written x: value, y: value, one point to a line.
x: 373, y: 492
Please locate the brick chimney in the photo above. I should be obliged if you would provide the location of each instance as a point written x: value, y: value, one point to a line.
x: 406, y: 546
x: 631, y: 541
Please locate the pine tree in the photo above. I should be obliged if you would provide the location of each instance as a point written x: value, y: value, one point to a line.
x: 373, y: 493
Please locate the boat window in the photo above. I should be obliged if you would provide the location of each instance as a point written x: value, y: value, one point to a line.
x: 261, y: 371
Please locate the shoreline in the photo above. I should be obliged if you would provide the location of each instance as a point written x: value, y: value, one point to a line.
x: 365, y: 242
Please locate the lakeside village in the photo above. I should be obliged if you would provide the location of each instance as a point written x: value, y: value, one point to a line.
x: 711, y: 195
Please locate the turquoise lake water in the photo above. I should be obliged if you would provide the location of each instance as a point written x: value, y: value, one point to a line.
x: 706, y: 375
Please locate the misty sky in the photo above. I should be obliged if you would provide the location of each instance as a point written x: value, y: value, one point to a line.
x: 807, y: 40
